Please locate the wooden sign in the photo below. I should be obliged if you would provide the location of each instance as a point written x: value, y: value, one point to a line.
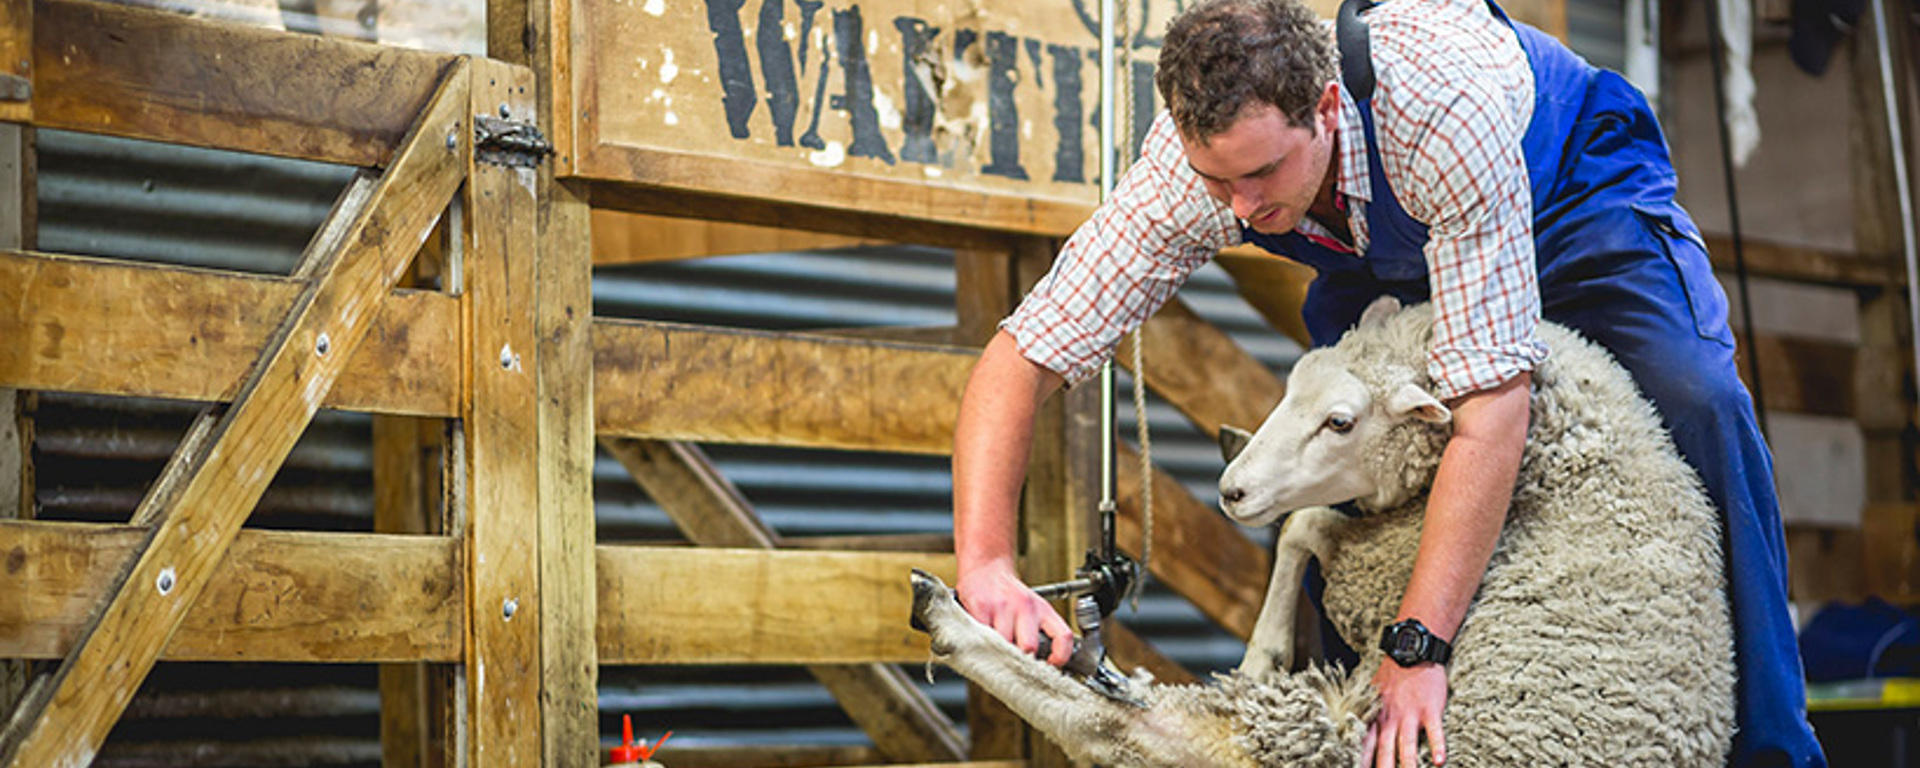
x: 976, y: 112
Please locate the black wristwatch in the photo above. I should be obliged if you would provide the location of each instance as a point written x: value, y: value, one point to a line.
x: 1409, y: 642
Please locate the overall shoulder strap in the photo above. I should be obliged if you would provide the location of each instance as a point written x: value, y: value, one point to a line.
x: 1356, y: 63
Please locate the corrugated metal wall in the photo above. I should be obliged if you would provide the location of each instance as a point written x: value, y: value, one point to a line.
x: 95, y: 456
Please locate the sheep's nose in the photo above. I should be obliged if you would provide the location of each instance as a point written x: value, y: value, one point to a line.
x: 1232, y: 495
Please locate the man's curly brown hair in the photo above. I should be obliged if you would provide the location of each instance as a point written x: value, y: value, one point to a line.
x: 1223, y: 55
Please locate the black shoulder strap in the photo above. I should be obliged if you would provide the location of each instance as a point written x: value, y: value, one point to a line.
x: 1356, y: 63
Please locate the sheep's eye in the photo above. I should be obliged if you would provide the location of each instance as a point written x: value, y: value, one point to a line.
x: 1340, y: 423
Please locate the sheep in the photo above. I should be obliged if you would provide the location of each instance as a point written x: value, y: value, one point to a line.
x: 1600, y: 634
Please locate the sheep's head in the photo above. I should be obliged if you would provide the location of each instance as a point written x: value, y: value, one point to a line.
x: 1357, y: 423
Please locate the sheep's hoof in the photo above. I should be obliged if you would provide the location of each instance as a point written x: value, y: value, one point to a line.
x: 926, y: 589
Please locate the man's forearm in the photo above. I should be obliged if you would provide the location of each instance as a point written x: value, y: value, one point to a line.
x: 1468, y: 504
x: 991, y: 442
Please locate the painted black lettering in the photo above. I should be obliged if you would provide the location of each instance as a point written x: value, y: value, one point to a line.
x: 776, y: 68
x: 811, y: 140
x: 1033, y: 55
x: 1070, y: 157
x: 917, y: 121
x: 849, y: 34
x: 1003, y: 113
x: 736, y: 75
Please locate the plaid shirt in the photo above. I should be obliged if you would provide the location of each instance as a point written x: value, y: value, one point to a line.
x: 1453, y: 97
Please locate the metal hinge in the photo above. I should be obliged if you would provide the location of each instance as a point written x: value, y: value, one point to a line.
x: 15, y: 88
x: 506, y: 142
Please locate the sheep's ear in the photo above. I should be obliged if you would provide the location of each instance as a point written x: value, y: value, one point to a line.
x: 1233, y: 440
x: 1378, y: 312
x: 1412, y: 401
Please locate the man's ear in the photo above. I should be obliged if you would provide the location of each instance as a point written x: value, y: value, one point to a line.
x: 1328, y: 108
x: 1413, y: 402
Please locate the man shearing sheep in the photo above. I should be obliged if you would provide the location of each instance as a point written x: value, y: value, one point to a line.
x: 1481, y: 166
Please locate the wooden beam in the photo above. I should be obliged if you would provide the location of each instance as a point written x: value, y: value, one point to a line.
x: 1203, y: 372
x: 635, y: 238
x: 1061, y: 500
x: 902, y: 722
x: 1803, y: 376
x: 278, y: 595
x: 703, y: 384
x: 117, y: 328
x: 66, y: 720
x: 1864, y: 268
x: 18, y: 189
x: 1274, y: 286
x: 16, y: 64
x: 1196, y: 551
x: 677, y: 605
x: 570, y: 665
x: 149, y: 74
x: 729, y: 205
x: 704, y: 505
x: 878, y: 542
x: 1130, y: 651
x: 501, y: 531
x: 407, y: 454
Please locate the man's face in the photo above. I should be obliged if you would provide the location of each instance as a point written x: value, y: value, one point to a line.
x: 1267, y: 169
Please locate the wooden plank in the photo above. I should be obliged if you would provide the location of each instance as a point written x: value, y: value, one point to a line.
x: 1891, y: 551
x: 406, y: 456
x: 503, y: 662
x: 728, y: 205
x: 636, y: 238
x: 16, y: 64
x: 116, y: 328
x: 1803, y: 376
x: 929, y: 112
x: 1822, y: 476
x: 1861, y: 268
x: 1201, y: 371
x: 569, y: 666
x: 878, y: 542
x: 677, y: 605
x: 1130, y: 651
x: 1060, y: 504
x: 983, y: 294
x: 18, y: 182
x: 901, y: 720
x: 67, y: 723
x: 766, y: 756
x: 1196, y: 551
x: 148, y: 74
x: 1274, y: 286
x: 278, y: 595
x: 678, y: 382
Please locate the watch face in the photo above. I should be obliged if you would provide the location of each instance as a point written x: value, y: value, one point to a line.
x: 1406, y: 644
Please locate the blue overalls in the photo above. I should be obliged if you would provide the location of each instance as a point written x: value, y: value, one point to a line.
x: 1620, y: 262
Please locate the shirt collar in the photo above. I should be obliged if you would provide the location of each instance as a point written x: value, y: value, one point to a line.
x: 1352, y: 163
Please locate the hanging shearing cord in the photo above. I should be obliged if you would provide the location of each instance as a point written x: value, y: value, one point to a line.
x: 1902, y: 185
x: 1715, y: 52
x: 1123, y: 147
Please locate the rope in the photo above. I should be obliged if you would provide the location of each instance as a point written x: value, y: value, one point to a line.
x: 1123, y: 140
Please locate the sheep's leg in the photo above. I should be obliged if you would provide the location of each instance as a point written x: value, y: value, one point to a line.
x: 1307, y: 533
x: 1090, y: 726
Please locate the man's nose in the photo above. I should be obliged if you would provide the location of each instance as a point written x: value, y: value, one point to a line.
x: 1245, y: 199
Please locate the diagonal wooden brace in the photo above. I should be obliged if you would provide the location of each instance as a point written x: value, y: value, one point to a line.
x: 901, y: 720
x: 67, y: 716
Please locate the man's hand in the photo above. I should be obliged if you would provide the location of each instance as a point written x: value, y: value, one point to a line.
x: 996, y: 596
x: 1411, y: 700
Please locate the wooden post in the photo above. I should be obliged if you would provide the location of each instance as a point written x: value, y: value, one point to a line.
x: 17, y: 219
x: 502, y: 716
x: 1059, y: 511
x: 213, y: 483
x: 569, y: 701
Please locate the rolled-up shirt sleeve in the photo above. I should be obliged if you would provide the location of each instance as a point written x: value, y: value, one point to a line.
x: 1450, y: 135
x: 1125, y: 262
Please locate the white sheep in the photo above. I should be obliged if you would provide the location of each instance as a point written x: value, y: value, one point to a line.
x: 1600, y: 634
